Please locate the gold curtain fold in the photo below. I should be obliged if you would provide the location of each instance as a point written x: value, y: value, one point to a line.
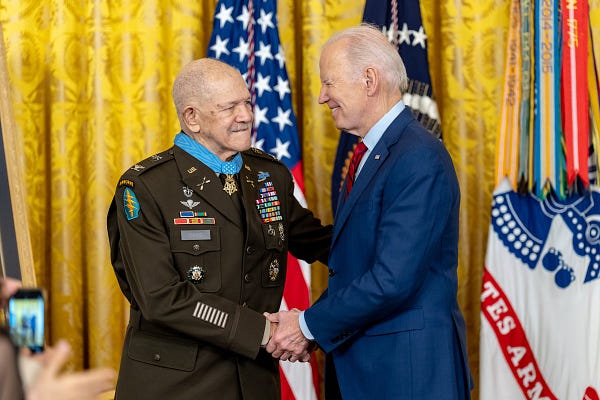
x: 91, y: 83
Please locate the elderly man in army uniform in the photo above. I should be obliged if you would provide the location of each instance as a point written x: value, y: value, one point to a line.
x: 199, y: 236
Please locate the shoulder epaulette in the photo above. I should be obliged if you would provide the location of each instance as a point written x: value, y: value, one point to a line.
x: 149, y: 163
x: 261, y: 154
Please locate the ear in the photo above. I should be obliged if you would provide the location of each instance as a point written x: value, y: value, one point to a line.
x: 371, y: 77
x: 192, y: 119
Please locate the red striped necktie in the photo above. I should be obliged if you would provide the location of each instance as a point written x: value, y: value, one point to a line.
x: 359, y: 152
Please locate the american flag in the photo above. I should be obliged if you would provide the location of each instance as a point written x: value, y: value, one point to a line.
x: 245, y: 36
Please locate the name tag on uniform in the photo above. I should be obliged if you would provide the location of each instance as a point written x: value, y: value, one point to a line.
x: 203, y: 234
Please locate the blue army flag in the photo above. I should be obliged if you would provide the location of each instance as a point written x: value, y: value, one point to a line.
x: 401, y: 21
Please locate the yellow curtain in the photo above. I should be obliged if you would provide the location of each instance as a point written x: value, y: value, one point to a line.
x: 91, y: 80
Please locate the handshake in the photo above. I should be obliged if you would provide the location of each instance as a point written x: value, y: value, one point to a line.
x: 286, y: 341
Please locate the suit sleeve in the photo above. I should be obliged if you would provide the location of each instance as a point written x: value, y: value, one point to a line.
x: 143, y: 262
x: 415, y: 207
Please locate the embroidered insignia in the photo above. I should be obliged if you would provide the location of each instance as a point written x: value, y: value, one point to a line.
x: 201, y: 184
x: 192, y: 214
x: 191, y: 170
x: 271, y: 230
x: 131, y: 204
x: 268, y: 204
x: 187, y: 191
x: 190, y: 203
x: 281, y: 232
x: 250, y: 181
x: 125, y: 182
x: 247, y: 167
x: 274, y: 270
x: 137, y: 167
x: 156, y: 157
x: 230, y: 187
x: 196, y: 274
x: 210, y: 314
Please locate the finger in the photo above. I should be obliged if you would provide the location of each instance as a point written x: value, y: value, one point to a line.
x: 306, y: 357
x: 271, y: 347
x: 91, y: 383
x: 271, y: 317
x: 56, y: 359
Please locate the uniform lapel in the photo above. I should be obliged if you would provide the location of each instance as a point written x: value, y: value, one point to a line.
x: 203, y: 181
x: 249, y: 183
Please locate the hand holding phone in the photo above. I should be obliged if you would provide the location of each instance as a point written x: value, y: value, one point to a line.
x: 26, y: 319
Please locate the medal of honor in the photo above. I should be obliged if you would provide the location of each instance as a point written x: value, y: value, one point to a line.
x: 230, y: 187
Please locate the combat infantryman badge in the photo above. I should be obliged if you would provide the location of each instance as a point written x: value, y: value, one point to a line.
x: 196, y: 274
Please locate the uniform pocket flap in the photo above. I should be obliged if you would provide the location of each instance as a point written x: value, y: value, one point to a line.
x: 410, y: 319
x: 168, y: 352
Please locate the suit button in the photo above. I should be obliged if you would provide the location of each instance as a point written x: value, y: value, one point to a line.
x: 157, y: 357
x: 250, y: 250
x: 331, y: 272
x: 247, y: 278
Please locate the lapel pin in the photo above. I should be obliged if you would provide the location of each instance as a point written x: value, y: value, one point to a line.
x: 201, y: 184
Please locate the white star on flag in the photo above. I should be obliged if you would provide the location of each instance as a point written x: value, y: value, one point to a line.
x: 282, y: 118
x: 281, y: 149
x: 282, y: 87
x: 264, y: 53
x: 220, y: 47
x: 224, y: 15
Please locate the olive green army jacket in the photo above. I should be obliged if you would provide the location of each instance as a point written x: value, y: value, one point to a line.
x: 199, y: 266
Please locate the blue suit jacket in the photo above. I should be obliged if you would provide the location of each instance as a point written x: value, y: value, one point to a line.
x: 390, y: 316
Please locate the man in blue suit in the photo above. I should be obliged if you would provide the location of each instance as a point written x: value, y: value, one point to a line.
x: 389, y: 321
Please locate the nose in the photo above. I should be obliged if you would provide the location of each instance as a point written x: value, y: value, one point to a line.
x: 245, y: 112
x: 323, y: 97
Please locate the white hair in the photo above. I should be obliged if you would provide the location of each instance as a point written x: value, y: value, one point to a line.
x: 368, y: 46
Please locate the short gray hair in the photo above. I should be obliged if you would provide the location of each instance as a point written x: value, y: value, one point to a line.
x: 369, y: 47
x: 192, y: 84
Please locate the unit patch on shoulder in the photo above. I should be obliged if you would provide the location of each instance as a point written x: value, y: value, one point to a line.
x: 131, y: 204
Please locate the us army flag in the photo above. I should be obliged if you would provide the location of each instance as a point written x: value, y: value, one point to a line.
x: 540, y: 298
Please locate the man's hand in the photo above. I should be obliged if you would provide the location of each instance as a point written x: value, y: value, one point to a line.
x: 287, y: 342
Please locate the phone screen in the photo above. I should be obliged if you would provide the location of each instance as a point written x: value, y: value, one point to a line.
x: 26, y: 319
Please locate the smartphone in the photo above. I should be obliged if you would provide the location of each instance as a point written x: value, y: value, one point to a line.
x: 26, y: 319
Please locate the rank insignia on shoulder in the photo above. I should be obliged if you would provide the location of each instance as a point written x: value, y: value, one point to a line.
x: 274, y: 270
x: 131, y: 205
x: 125, y: 182
x: 137, y: 167
x: 196, y: 274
